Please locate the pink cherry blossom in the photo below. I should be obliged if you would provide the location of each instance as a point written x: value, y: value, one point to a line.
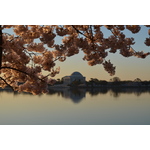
x: 33, y: 49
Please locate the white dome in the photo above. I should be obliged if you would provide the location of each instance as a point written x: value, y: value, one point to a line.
x: 76, y: 74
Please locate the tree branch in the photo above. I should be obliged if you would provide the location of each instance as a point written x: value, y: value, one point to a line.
x: 19, y: 71
x: 92, y: 36
x: 79, y: 31
x: 118, y: 38
x: 15, y: 70
x: 7, y: 83
x: 1, y: 49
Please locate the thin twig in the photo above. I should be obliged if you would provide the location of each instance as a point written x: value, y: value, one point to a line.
x: 79, y: 31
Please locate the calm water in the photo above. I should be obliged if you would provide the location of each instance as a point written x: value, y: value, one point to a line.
x: 77, y: 107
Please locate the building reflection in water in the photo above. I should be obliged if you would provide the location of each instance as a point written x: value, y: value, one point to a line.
x: 78, y: 94
x: 75, y: 94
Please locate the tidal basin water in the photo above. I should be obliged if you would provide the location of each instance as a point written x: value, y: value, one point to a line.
x: 76, y: 107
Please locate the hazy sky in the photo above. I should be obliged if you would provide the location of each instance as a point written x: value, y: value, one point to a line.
x: 126, y: 68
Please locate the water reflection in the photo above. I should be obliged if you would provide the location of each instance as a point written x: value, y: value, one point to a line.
x: 77, y: 94
x: 116, y: 92
x: 137, y: 91
x: 64, y: 106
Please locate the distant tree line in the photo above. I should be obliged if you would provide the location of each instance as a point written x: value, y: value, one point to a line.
x: 115, y: 81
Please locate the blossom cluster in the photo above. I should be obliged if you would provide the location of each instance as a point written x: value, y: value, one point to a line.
x: 33, y: 49
x: 24, y: 59
x: 108, y: 66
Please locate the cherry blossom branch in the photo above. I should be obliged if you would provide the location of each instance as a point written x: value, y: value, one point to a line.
x: 92, y: 37
x: 51, y: 63
x: 15, y: 70
x: 118, y: 38
x: 1, y: 49
x: 7, y: 83
x: 30, y: 55
x: 10, y: 35
x: 79, y: 31
x: 19, y: 71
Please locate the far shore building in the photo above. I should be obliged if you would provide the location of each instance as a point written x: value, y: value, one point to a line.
x: 75, y: 76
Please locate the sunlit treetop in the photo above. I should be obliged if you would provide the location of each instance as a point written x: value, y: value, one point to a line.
x: 33, y: 49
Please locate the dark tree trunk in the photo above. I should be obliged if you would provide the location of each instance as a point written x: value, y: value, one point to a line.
x: 1, y: 42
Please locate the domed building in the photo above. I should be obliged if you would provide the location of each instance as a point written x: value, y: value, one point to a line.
x: 75, y: 76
